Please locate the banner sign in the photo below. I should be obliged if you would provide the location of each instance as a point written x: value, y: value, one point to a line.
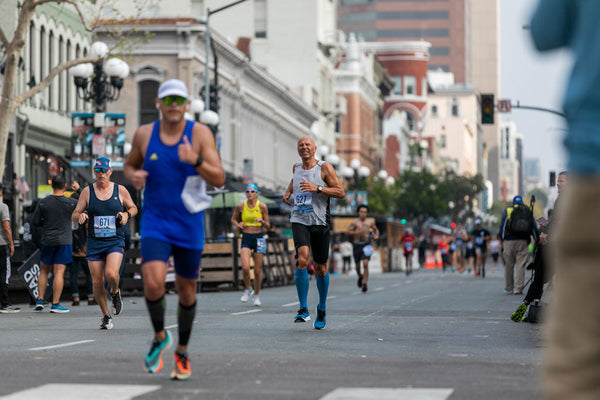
x: 29, y: 272
x: 87, y: 145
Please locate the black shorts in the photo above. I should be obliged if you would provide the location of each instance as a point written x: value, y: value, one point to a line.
x: 254, y: 241
x: 359, y: 251
x: 314, y: 236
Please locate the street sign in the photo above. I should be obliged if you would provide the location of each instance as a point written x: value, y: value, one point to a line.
x: 504, y: 106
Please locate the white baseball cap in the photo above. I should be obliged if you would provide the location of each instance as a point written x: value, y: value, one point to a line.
x: 172, y: 87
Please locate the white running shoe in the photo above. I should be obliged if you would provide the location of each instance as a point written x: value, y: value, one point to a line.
x: 246, y: 295
x: 257, y: 302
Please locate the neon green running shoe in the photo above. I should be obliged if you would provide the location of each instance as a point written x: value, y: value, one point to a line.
x: 519, y: 313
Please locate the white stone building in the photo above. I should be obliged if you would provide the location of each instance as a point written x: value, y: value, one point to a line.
x: 509, y: 164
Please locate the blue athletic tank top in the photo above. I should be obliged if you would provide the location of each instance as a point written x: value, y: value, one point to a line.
x: 102, y: 222
x: 164, y: 216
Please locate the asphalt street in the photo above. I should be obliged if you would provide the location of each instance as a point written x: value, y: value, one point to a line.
x: 429, y: 336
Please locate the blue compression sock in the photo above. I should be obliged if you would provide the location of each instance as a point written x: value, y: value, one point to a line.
x: 323, y: 286
x: 302, y: 286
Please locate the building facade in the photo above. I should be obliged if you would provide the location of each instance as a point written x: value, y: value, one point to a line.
x: 452, y: 120
x: 40, y: 138
x: 444, y: 24
x: 509, y: 164
x: 261, y: 119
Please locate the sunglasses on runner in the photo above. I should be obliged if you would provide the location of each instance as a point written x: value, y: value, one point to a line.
x: 179, y: 100
x: 250, y: 191
x: 98, y: 170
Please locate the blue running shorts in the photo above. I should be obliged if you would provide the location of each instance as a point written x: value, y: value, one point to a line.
x: 61, y: 254
x: 187, y: 261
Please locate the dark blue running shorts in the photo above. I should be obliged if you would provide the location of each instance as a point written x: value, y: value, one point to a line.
x: 61, y: 254
x: 187, y: 261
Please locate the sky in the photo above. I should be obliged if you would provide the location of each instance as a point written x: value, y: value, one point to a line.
x: 533, y: 79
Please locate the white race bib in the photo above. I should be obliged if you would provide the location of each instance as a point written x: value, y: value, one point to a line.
x: 105, y: 226
x: 303, y: 203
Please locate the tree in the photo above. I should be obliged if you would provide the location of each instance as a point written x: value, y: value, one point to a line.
x: 89, y: 12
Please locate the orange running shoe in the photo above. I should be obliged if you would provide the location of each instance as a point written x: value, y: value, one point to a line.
x: 182, y: 370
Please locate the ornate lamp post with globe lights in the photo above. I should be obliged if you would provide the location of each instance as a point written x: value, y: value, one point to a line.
x: 355, y: 173
x: 99, y: 84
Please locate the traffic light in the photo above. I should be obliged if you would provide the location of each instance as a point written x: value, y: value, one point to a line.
x: 487, y: 108
x: 213, y: 97
x: 403, y: 221
x: 453, y: 225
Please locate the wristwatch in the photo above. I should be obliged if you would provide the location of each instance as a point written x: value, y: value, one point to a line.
x: 198, y: 162
x: 319, y: 189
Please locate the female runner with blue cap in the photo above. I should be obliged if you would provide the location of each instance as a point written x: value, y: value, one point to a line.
x: 254, y: 215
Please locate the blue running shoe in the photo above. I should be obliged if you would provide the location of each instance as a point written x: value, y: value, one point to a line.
x: 39, y: 305
x: 302, y: 315
x: 321, y: 320
x: 153, y: 362
x: 57, y: 308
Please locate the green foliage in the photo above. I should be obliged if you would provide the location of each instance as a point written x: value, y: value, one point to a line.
x: 421, y: 194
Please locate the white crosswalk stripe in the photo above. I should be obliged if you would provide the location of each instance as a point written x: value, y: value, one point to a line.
x: 57, y: 391
x: 387, y: 394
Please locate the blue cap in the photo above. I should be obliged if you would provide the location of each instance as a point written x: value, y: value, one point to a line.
x: 253, y: 186
x: 517, y: 200
x: 103, y: 163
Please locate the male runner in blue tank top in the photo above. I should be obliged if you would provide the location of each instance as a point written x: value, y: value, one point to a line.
x: 313, y: 183
x: 166, y: 156
x: 102, y: 206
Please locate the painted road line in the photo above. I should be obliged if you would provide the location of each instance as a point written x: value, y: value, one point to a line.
x: 172, y: 326
x: 296, y: 303
x: 246, y: 312
x: 379, y: 289
x: 56, y: 346
x: 387, y: 394
x: 57, y: 391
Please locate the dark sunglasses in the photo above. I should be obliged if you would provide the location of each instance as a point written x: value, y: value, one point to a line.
x: 98, y: 170
x: 167, y: 101
x: 250, y: 191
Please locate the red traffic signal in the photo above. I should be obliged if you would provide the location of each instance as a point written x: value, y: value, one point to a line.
x: 453, y: 225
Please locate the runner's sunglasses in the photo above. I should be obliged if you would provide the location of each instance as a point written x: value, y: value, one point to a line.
x: 250, y: 191
x: 167, y: 101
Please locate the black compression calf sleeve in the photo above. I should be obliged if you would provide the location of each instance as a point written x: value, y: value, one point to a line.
x: 185, y: 319
x: 156, y: 309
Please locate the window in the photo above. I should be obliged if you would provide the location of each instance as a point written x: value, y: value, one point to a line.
x: 424, y: 86
x: 454, y: 107
x: 397, y: 85
x: 51, y: 87
x: 443, y: 141
x: 260, y: 18
x: 147, y: 92
x: 410, y: 85
x: 434, y: 111
x: 61, y: 76
x: 68, y: 78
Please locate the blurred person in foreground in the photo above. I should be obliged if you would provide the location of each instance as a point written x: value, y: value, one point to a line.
x: 571, y: 368
x: 172, y: 159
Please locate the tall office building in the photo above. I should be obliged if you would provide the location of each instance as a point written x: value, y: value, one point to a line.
x: 464, y: 37
x: 444, y: 24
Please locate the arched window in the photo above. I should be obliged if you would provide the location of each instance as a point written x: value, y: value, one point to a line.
x: 77, y: 99
x: 147, y: 90
x: 32, y: 53
x: 61, y: 76
x: 68, y: 81
x: 51, y: 52
x: 43, y: 62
